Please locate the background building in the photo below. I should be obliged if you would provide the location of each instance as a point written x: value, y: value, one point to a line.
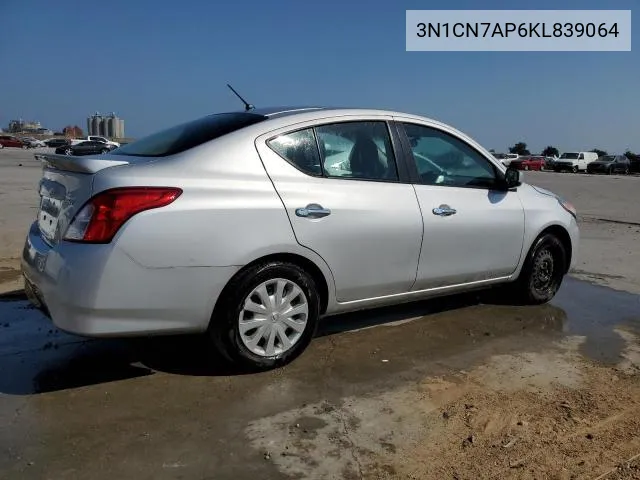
x: 22, y: 126
x: 105, y: 125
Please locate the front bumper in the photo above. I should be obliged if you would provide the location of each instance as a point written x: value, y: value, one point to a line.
x: 99, y: 290
x: 560, y: 167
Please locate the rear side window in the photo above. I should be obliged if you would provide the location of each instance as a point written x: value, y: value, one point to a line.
x: 188, y: 135
x: 358, y: 150
x: 300, y: 149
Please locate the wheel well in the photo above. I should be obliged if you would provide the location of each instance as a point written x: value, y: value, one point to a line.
x: 304, y: 263
x: 564, y: 237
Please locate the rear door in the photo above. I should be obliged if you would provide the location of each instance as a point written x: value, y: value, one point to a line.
x: 349, y: 201
x: 472, y: 231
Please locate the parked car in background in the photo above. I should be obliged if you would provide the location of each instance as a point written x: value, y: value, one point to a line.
x: 57, y: 142
x: 12, y: 141
x: 33, y: 142
x: 84, y: 148
x: 528, y: 162
x: 355, y: 209
x: 549, y: 162
x: 95, y: 138
x: 508, y: 158
x: 574, y: 161
x: 610, y: 164
x: 634, y: 165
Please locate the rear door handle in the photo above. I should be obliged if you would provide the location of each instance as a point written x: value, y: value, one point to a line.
x: 444, y: 211
x: 313, y: 210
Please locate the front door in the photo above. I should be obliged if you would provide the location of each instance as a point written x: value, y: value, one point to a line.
x: 346, y: 200
x: 472, y: 230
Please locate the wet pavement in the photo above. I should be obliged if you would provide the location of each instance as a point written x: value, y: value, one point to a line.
x: 164, y: 408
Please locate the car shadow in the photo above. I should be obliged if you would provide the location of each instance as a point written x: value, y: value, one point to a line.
x: 36, y: 357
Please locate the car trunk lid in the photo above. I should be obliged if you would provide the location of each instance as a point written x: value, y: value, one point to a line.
x: 65, y: 186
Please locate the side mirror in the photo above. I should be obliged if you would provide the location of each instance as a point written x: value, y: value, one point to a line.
x: 512, y: 178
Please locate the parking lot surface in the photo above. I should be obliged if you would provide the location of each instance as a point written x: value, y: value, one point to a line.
x: 459, y: 387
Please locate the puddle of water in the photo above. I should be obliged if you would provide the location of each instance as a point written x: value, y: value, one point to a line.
x: 594, y: 312
x: 36, y: 357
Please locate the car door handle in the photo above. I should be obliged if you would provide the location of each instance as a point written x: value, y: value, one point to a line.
x: 444, y: 211
x: 313, y: 210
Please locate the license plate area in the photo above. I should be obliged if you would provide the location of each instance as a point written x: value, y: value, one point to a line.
x: 48, y: 215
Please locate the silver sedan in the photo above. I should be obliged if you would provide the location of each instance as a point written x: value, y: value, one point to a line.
x: 250, y: 226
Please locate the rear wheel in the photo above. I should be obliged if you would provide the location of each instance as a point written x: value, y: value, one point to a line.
x: 526, y: 167
x: 266, y: 316
x: 68, y: 151
x: 542, y: 272
x: 104, y: 150
x: 626, y: 171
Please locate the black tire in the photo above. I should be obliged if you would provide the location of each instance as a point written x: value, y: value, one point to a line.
x: 104, y: 150
x: 68, y: 151
x: 575, y: 169
x: 626, y: 171
x: 542, y: 272
x: 224, y: 326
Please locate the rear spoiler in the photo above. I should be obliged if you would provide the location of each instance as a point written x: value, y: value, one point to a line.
x: 77, y: 164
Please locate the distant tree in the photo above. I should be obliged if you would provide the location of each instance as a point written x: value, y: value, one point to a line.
x: 600, y: 153
x: 493, y: 150
x: 550, y: 152
x: 630, y: 155
x: 72, y: 131
x: 519, y: 148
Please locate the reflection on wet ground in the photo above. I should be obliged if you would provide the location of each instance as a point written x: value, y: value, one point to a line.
x: 102, y: 395
x: 36, y: 357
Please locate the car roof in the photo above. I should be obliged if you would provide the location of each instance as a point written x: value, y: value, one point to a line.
x: 311, y: 111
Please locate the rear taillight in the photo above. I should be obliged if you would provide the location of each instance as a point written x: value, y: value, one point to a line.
x: 101, y: 217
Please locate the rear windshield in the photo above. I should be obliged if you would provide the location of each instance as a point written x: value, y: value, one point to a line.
x: 188, y: 135
x: 569, y: 156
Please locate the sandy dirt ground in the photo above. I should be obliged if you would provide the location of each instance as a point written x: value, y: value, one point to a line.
x: 456, y: 388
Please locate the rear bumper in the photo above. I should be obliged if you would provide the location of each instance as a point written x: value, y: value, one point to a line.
x: 98, y: 290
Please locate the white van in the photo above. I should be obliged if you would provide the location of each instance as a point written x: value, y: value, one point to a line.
x: 574, y: 161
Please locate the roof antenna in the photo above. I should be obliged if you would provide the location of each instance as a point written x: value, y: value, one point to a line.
x: 247, y: 106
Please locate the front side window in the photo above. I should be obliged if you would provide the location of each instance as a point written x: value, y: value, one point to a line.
x: 442, y: 159
x: 357, y: 150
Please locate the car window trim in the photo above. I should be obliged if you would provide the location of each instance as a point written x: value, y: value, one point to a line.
x: 398, y: 152
x: 413, y: 169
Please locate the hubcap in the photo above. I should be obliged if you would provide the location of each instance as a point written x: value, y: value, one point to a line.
x: 543, y: 271
x: 273, y: 317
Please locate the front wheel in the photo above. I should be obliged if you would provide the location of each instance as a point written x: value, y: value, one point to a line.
x: 575, y: 169
x: 68, y: 151
x: 542, y: 272
x: 266, y: 316
x: 104, y: 150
